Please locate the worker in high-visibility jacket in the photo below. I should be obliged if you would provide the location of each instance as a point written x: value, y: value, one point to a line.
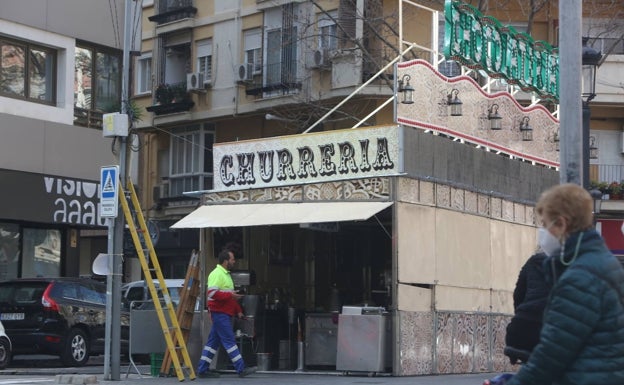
x: 223, y: 304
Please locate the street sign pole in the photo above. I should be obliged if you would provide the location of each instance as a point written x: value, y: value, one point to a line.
x: 109, y: 199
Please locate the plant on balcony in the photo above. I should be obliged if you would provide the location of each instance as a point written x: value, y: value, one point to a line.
x: 615, y: 190
x: 171, y: 98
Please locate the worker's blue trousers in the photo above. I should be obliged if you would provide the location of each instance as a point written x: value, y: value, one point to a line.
x: 221, y: 333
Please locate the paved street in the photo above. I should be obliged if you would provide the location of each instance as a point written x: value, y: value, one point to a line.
x: 38, y: 371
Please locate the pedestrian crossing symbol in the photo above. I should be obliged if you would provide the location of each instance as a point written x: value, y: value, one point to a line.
x: 109, y: 179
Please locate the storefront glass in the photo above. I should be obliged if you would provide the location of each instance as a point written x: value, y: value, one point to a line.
x: 42, y: 253
x: 9, y: 250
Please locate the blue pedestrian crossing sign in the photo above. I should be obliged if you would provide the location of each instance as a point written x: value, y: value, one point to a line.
x: 109, y: 187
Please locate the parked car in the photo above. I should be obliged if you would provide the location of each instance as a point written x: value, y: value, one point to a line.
x: 139, y: 292
x: 58, y: 316
x: 5, y: 348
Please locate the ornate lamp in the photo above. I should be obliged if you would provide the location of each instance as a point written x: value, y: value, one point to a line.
x: 455, y: 105
x: 526, y: 130
x: 406, y: 89
x: 494, y: 117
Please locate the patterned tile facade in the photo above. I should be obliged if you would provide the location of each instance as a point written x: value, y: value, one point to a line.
x: 461, y: 343
x: 458, y: 199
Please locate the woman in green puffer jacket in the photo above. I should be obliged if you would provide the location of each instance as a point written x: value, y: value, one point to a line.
x: 582, y: 337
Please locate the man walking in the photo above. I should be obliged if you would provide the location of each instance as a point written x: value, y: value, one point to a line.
x: 223, y: 305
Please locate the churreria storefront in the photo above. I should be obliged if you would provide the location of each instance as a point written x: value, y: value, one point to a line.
x: 429, y: 236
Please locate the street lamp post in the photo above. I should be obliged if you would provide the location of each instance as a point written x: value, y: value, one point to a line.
x: 591, y: 58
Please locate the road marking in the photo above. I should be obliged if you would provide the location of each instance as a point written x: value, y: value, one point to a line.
x: 26, y: 380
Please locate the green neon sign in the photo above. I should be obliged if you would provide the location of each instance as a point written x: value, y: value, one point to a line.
x: 481, y: 42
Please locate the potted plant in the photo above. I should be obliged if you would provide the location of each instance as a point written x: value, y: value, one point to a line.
x: 615, y: 190
x: 171, y: 98
x: 164, y: 94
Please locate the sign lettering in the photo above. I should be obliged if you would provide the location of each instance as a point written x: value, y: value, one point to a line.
x: 481, y: 42
x: 311, y: 158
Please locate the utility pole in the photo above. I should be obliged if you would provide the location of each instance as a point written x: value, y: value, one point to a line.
x: 113, y: 337
x: 571, y: 126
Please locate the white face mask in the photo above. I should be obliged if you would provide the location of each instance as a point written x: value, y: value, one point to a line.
x: 548, y: 242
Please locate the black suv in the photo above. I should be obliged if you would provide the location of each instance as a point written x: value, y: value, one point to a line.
x: 58, y: 316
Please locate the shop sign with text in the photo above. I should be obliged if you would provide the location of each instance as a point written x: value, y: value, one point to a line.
x: 481, y: 42
x: 49, y: 199
x: 308, y: 158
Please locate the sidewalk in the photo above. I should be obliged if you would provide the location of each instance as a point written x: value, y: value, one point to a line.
x: 280, y: 378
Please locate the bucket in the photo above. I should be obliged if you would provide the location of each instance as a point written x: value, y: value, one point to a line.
x: 263, y: 361
x: 156, y: 362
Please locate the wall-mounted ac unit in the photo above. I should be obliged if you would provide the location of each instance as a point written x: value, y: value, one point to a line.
x: 318, y: 59
x: 160, y: 191
x: 244, y: 72
x: 195, y: 82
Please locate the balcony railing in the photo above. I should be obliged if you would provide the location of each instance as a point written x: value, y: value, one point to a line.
x: 172, y: 10
x: 281, y: 78
x: 609, y: 173
x: 87, y: 118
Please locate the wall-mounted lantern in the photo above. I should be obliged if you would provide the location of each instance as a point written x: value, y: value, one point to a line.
x: 455, y: 105
x: 495, y: 119
x: 406, y: 89
x: 526, y: 130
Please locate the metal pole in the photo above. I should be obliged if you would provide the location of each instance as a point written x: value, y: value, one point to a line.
x: 109, y: 299
x: 570, y: 14
x: 119, y: 221
x: 586, y: 118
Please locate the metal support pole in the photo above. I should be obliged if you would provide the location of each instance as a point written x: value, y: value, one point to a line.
x: 570, y: 14
x: 118, y: 226
x: 586, y: 117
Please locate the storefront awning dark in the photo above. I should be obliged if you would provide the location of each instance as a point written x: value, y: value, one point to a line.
x: 256, y: 214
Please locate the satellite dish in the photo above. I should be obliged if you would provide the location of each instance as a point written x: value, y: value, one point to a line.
x: 100, y: 265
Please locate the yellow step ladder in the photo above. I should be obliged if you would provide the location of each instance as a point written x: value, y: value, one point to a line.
x: 176, y: 346
x: 186, y: 306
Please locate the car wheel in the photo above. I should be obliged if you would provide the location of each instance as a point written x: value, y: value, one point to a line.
x: 76, y: 350
x: 5, y: 353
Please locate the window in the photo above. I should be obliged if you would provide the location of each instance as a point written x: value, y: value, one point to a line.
x: 328, y: 38
x: 9, y: 250
x: 42, y: 253
x: 253, y: 49
x: 27, y: 71
x: 281, y: 51
x: 97, y: 84
x: 144, y: 74
x: 204, y: 58
x: 191, y: 159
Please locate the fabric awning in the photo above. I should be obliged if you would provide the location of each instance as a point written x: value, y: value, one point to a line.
x: 255, y: 214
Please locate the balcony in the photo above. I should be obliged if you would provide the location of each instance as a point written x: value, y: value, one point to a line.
x: 171, y: 98
x: 280, y: 80
x: 87, y: 118
x: 173, y: 10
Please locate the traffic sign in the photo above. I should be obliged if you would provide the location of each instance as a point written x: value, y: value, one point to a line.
x: 109, y: 186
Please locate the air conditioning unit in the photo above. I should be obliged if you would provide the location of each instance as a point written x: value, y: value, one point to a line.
x: 195, y: 81
x: 318, y: 59
x: 160, y: 191
x: 244, y: 72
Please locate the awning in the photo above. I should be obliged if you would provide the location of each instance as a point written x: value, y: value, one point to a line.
x: 255, y: 214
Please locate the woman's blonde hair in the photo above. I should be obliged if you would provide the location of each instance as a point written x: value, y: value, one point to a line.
x: 570, y: 201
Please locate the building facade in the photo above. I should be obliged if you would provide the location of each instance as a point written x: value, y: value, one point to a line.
x: 60, y: 70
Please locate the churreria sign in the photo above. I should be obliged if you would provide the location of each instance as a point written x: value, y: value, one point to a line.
x: 481, y: 42
x: 312, y: 158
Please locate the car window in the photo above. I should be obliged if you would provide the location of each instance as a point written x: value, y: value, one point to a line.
x: 93, y: 294
x: 67, y: 290
x: 135, y: 293
x: 22, y: 293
